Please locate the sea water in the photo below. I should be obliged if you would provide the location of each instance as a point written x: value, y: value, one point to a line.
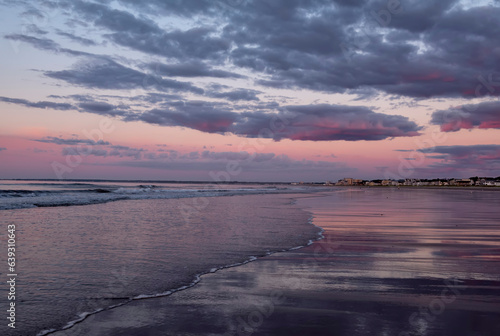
x: 132, y: 242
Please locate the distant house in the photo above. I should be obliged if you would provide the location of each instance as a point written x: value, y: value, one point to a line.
x: 358, y: 182
x: 409, y: 182
x: 374, y: 183
x: 464, y: 182
x: 345, y: 182
x: 489, y: 183
x: 386, y: 182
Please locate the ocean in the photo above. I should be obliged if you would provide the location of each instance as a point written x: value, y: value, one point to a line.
x: 137, y: 258
x: 395, y: 262
x: 83, y: 247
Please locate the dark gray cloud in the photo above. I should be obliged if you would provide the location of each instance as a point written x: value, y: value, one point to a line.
x: 40, y: 43
x: 420, y: 49
x: 145, y: 35
x: 199, y: 115
x: 424, y: 51
x: 326, y: 123
x: 102, y: 108
x: 40, y: 104
x: 87, y: 105
x: 237, y: 156
x: 62, y: 141
x: 104, y: 149
x: 484, y: 115
x: 79, y: 39
x: 236, y: 95
x: 463, y: 151
x: 2, y: 149
x: 411, y: 15
x: 417, y: 49
x: 108, y: 74
x: 276, y: 167
x: 75, y: 151
x: 320, y: 122
x: 308, y: 122
x: 45, y: 44
x: 195, y: 43
x: 190, y: 69
x: 469, y: 160
x: 34, y: 29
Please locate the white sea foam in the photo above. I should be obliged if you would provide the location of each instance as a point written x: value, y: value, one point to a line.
x: 23, y: 199
x: 197, y: 278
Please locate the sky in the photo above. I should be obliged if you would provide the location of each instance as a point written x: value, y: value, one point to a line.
x: 249, y: 90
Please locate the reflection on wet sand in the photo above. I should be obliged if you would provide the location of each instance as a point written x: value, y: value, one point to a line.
x: 393, y: 262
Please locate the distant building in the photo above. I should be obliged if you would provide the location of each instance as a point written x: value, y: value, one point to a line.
x: 489, y: 182
x: 357, y: 182
x: 345, y: 182
x: 463, y: 182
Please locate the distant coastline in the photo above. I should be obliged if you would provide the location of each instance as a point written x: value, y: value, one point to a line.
x: 437, y: 182
x: 475, y: 182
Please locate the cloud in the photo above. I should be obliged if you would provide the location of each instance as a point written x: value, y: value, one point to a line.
x: 317, y: 122
x: 203, y: 116
x: 459, y: 152
x: 34, y: 29
x: 40, y: 104
x: 87, y: 105
x: 138, y: 33
x: 61, y: 141
x: 2, y: 149
x: 326, y: 123
x: 237, y: 156
x: 236, y: 95
x: 471, y: 160
x: 244, y: 165
x: 40, y: 43
x: 307, y: 122
x: 190, y: 69
x: 422, y: 49
x: 479, y: 116
x: 81, y: 40
x: 102, y: 108
x: 104, y: 150
x: 75, y: 151
x: 46, y: 44
x: 108, y: 74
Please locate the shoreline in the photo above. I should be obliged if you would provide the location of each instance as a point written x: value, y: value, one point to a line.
x: 331, y: 286
x: 427, y: 187
x: 85, y: 316
x: 209, y: 193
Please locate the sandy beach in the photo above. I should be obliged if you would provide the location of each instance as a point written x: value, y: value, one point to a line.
x: 392, y: 262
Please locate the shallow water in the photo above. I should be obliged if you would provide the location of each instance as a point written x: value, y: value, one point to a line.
x: 80, y: 259
x: 24, y: 194
x: 393, y: 262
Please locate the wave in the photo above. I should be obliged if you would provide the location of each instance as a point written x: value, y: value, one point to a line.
x: 197, y: 278
x: 25, y: 199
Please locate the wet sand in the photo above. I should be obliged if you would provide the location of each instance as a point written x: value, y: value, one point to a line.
x: 393, y: 262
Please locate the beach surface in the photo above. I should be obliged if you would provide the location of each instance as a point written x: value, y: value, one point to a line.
x: 76, y: 260
x: 392, y: 262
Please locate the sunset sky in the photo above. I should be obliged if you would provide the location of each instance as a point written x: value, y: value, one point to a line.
x: 242, y: 90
